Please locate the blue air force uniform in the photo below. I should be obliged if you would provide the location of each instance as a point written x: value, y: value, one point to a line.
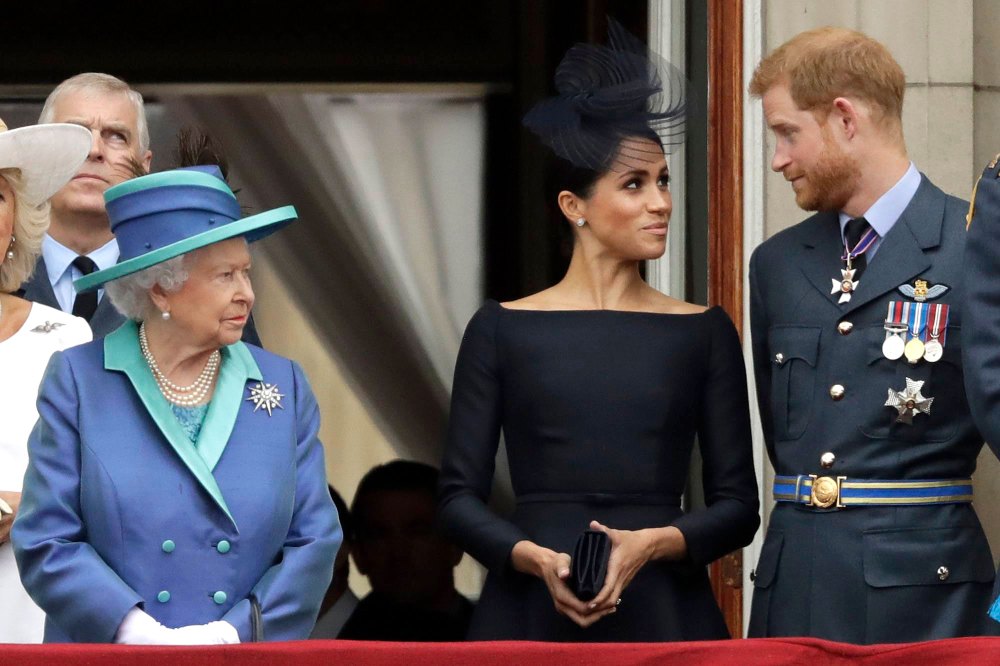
x: 981, y: 350
x: 873, y: 538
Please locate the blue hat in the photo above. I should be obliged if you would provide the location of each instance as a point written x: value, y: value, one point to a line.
x: 167, y: 214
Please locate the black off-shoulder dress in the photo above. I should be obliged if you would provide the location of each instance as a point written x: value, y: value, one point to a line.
x: 600, y: 411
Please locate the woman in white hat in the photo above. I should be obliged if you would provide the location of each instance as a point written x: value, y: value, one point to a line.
x: 176, y: 490
x: 34, y: 163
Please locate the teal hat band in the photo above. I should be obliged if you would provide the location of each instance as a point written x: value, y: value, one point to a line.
x: 163, y: 215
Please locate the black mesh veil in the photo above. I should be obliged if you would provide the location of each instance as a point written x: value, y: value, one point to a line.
x: 607, y: 95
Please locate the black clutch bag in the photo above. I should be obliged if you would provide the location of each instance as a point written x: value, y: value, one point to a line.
x: 590, y: 564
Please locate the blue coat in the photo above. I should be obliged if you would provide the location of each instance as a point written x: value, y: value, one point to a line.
x: 121, y: 509
x: 872, y: 574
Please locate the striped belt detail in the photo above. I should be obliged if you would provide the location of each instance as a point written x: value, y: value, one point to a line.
x: 837, y: 492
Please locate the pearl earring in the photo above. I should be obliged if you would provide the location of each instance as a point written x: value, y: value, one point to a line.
x: 580, y: 222
x: 165, y: 315
x: 10, y: 248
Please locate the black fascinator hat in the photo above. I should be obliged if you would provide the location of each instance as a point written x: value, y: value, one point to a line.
x: 608, y: 94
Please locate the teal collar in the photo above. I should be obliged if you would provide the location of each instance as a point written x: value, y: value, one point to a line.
x: 122, y: 353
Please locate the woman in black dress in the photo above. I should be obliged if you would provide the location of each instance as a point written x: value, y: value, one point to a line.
x: 600, y: 385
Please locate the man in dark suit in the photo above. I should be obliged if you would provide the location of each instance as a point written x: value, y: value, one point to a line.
x: 79, y: 240
x: 981, y: 328
x: 856, y: 328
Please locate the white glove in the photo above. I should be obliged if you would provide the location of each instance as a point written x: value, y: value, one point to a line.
x: 139, y: 628
x: 219, y: 632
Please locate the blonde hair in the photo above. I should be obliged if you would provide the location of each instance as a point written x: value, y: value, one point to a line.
x: 102, y: 83
x: 30, y: 225
x: 822, y: 64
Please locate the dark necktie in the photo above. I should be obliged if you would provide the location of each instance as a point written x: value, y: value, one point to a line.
x: 86, y: 303
x: 855, y: 229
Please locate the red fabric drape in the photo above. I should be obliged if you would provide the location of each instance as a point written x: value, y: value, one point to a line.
x: 769, y: 652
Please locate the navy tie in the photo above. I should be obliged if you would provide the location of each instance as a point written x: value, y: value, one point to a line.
x: 85, y: 304
x: 855, y: 229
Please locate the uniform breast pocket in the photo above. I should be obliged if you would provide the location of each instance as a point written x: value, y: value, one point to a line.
x: 794, y: 350
x: 942, y: 381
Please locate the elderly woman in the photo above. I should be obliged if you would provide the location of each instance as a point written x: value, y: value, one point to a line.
x: 34, y: 163
x: 176, y: 489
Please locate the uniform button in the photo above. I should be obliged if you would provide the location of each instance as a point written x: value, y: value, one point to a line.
x: 163, y: 597
x: 943, y: 573
x: 827, y: 459
x: 779, y: 358
x: 845, y: 327
x: 219, y: 597
x: 837, y: 391
x: 222, y: 546
x: 168, y: 546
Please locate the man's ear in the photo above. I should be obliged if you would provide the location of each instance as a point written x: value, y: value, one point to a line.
x: 845, y: 114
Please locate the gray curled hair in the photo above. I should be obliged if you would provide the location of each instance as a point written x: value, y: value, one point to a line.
x: 130, y: 294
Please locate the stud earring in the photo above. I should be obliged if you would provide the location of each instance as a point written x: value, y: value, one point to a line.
x: 165, y: 315
x: 580, y: 222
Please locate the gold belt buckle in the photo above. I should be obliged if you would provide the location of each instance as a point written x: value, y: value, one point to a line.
x: 826, y: 491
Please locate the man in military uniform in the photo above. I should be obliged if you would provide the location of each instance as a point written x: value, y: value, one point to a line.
x: 856, y: 327
x: 981, y: 305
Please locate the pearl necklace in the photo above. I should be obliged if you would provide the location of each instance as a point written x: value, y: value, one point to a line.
x: 184, y: 396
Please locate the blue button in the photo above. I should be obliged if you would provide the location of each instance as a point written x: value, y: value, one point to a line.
x: 222, y: 546
x: 219, y: 597
x: 168, y: 546
x: 163, y: 597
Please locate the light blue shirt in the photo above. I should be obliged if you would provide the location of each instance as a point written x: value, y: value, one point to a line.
x: 62, y: 272
x: 884, y: 212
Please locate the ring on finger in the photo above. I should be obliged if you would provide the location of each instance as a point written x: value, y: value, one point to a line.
x: 619, y: 602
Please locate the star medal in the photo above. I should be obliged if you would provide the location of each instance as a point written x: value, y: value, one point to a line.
x: 846, y: 285
x: 909, y: 402
x: 937, y: 324
x: 265, y: 396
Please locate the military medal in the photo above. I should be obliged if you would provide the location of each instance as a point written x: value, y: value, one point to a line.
x: 937, y: 321
x: 916, y: 322
x: 909, y: 402
x: 914, y: 350
x: 846, y: 285
x: 893, y: 347
x: 895, y: 329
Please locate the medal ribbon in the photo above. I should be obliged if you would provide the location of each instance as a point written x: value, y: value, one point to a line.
x: 866, y: 241
x: 917, y: 320
x: 938, y: 320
